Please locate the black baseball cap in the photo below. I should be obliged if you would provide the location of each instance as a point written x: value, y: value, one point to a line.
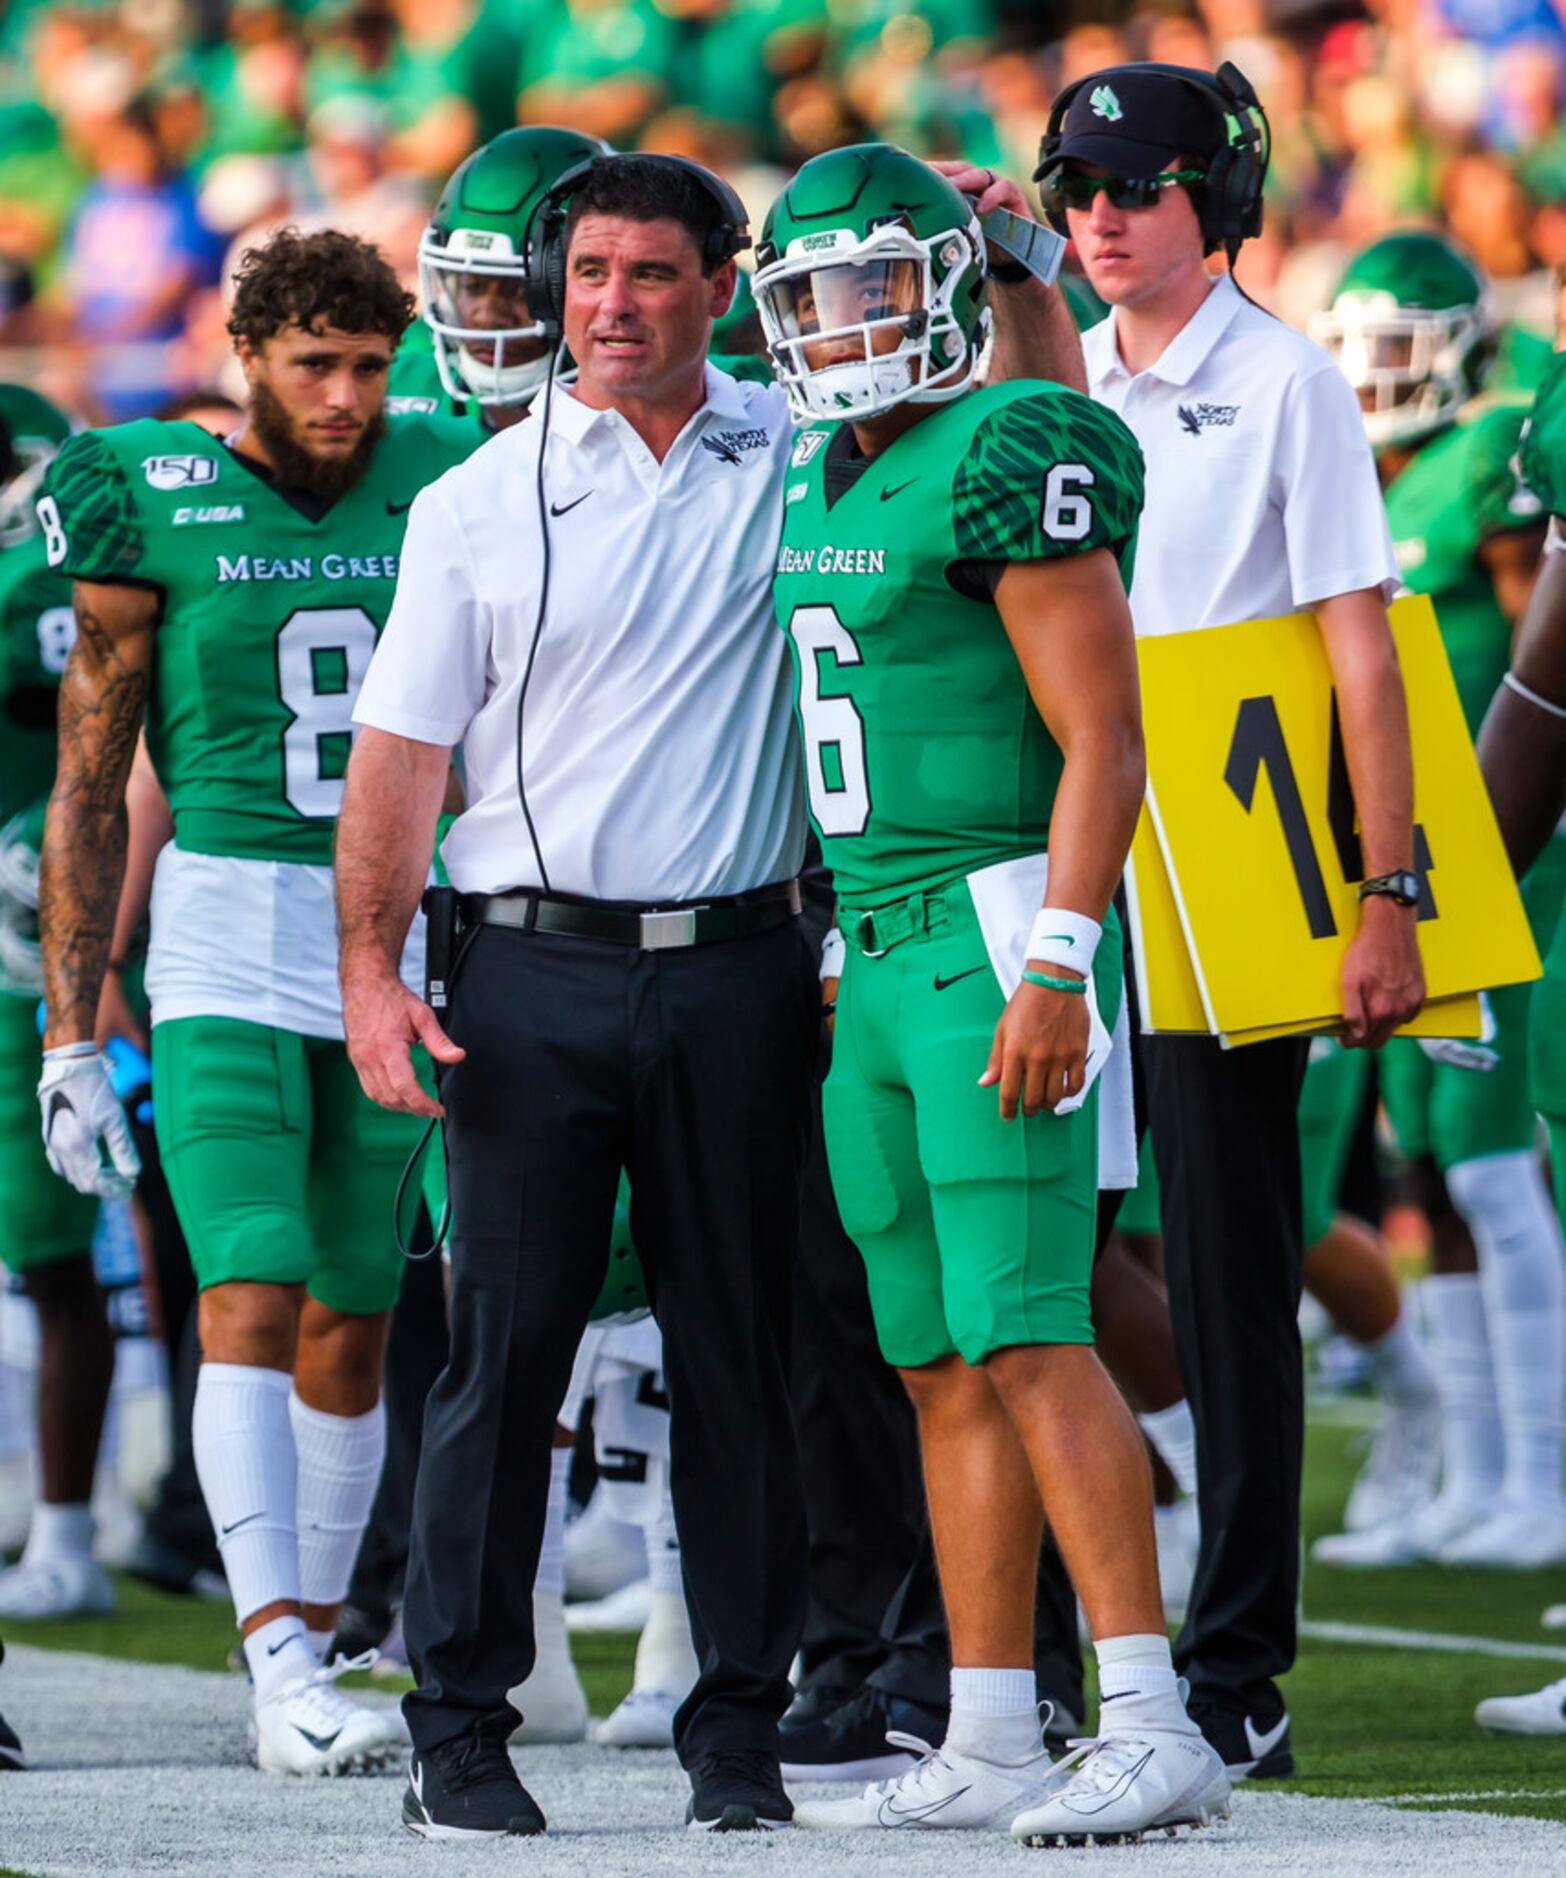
x: 1136, y: 121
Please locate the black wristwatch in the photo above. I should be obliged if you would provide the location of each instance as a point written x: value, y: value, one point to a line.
x: 1403, y: 887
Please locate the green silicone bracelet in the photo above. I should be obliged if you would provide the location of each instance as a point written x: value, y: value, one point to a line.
x: 1077, y: 987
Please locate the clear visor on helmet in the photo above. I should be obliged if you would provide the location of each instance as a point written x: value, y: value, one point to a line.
x: 1389, y: 356
x: 488, y: 344
x: 850, y: 311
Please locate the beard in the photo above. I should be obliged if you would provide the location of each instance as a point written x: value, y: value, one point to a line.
x: 326, y: 478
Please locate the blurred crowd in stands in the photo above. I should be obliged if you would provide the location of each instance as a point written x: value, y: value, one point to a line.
x: 140, y: 140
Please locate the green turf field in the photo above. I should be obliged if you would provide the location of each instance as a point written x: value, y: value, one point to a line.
x: 1369, y: 1722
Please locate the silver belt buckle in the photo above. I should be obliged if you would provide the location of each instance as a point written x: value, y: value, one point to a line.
x: 662, y: 930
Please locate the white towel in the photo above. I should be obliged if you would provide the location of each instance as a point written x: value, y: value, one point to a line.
x: 1005, y: 898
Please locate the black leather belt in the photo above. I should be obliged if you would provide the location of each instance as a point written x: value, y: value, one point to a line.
x: 650, y: 929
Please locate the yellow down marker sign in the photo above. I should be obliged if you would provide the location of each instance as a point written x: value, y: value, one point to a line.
x: 1246, y: 864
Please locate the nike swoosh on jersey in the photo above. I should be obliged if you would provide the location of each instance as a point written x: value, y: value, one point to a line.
x: 399, y: 508
x: 240, y: 1522
x: 956, y: 977
x: 898, y: 488
x: 1262, y: 1745
x: 323, y: 1742
x: 556, y: 508
x: 891, y: 1814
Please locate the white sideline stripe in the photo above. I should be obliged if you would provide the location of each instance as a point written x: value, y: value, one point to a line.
x: 1487, y: 1793
x: 1390, y: 1638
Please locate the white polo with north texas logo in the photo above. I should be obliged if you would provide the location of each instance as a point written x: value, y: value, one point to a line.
x: 1262, y: 496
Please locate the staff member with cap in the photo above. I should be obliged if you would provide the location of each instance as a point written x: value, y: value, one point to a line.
x: 1261, y: 500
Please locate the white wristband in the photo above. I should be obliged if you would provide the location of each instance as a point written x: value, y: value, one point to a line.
x: 833, y: 952
x: 1060, y: 937
x: 63, y: 1052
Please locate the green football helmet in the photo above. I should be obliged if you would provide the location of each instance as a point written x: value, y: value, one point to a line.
x: 21, y: 961
x: 870, y: 284
x: 1407, y: 326
x: 472, y: 261
x: 31, y: 431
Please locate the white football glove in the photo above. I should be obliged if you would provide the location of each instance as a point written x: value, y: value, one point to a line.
x: 1466, y: 1052
x: 86, y: 1136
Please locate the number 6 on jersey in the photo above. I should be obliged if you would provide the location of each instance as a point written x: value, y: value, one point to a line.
x: 835, y: 772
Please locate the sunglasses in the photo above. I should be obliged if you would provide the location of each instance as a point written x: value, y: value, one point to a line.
x: 1069, y: 191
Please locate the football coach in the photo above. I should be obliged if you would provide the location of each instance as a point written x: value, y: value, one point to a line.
x: 1261, y: 500
x: 587, y: 611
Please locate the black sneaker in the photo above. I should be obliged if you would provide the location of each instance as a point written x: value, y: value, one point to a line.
x: 466, y: 1788
x: 12, y: 1759
x: 737, y: 1792
x: 850, y: 1743
x: 815, y: 1701
x: 1253, y: 1748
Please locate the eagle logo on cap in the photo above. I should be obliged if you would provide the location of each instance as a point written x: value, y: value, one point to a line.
x: 1106, y: 104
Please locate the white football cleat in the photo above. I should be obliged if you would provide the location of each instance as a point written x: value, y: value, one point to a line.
x: 1177, y: 1535
x: 552, y: 1702
x: 1554, y: 1617
x: 1400, y: 1472
x: 310, y: 1727
x: 943, y: 1789
x: 626, y: 1609
x: 645, y: 1719
x: 55, y: 1587
x: 1541, y: 1713
x: 1413, y: 1541
x: 1120, y: 1786
x: 1514, y: 1538
x: 602, y: 1553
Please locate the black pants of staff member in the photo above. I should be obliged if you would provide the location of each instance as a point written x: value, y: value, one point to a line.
x: 691, y: 1069
x: 1226, y: 1141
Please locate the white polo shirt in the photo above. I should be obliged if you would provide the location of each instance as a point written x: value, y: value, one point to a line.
x: 659, y: 754
x: 1261, y: 493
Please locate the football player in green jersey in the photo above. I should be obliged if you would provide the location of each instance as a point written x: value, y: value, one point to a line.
x: 49, y: 1228
x: 232, y: 593
x: 1407, y: 327
x: 950, y: 580
x: 1522, y: 750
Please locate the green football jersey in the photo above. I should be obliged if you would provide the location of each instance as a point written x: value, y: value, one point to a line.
x: 925, y: 757
x: 1544, y: 440
x: 37, y: 630
x: 1461, y: 490
x: 268, y: 621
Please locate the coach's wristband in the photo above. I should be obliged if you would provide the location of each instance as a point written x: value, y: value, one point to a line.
x: 1061, y: 937
x: 1073, y: 987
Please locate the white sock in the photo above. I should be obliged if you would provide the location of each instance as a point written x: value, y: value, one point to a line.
x: 664, y: 1570
x: 320, y: 1642
x: 1137, y: 1685
x: 1172, y: 1432
x: 340, y: 1460
x: 1522, y: 1273
x: 60, y: 1530
x: 1401, y: 1366
x: 279, y: 1652
x: 995, y: 1715
x: 1472, y: 1451
x: 551, y: 1556
x: 245, y: 1460
x: 665, y: 1654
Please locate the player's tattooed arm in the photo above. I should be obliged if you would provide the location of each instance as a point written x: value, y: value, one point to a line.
x: 103, y: 694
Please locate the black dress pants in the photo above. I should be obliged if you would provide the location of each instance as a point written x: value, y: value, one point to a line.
x: 1226, y: 1141
x: 690, y: 1068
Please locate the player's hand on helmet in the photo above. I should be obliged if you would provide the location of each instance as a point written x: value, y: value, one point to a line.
x: 383, y: 1020
x: 1383, y: 980
x: 987, y: 191
x: 85, y: 1133
x: 1039, y: 1056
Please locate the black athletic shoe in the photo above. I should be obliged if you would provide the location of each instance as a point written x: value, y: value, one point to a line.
x: 466, y: 1788
x: 12, y: 1759
x: 1253, y: 1747
x: 815, y: 1701
x: 737, y: 1792
x: 850, y: 1743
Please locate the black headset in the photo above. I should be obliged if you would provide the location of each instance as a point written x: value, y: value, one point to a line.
x: 545, y: 247
x: 1230, y: 198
